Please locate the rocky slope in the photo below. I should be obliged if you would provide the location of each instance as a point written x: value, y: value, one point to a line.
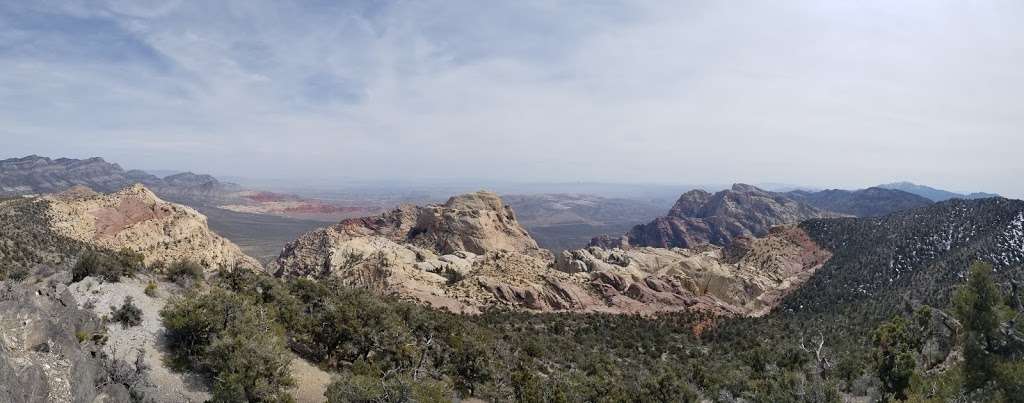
x: 470, y: 253
x: 868, y: 202
x: 136, y: 219
x: 747, y: 278
x: 476, y: 222
x: 919, y: 254
x: 699, y: 217
x: 133, y: 218
x: 42, y: 358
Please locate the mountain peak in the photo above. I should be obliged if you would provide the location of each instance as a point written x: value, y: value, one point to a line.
x: 479, y: 200
x: 699, y: 217
x: 138, y: 190
x: 743, y: 187
x: 32, y: 157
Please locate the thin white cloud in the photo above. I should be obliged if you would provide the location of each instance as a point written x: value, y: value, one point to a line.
x: 820, y: 93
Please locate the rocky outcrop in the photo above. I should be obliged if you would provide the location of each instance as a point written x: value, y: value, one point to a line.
x: 469, y: 254
x: 868, y: 202
x: 464, y: 254
x: 42, y: 358
x: 476, y: 223
x: 136, y: 219
x: 747, y: 278
x: 699, y: 217
x: 460, y: 281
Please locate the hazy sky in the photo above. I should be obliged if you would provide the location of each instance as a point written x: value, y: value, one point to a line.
x: 820, y: 93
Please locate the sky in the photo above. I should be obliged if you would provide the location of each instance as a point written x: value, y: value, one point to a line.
x: 817, y: 93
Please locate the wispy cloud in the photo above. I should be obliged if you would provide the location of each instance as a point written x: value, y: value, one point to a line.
x: 822, y: 93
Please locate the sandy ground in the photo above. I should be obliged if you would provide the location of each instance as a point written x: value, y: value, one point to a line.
x: 311, y: 382
x: 170, y: 386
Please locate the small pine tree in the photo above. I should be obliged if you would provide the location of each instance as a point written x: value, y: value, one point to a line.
x: 895, y: 344
x: 977, y: 306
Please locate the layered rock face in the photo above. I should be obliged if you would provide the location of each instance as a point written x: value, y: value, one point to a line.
x: 476, y: 222
x: 470, y: 253
x: 136, y: 219
x: 464, y: 254
x: 699, y: 217
x: 747, y: 278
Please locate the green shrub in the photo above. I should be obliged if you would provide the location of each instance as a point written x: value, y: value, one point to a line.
x: 184, y: 272
x: 224, y: 335
x: 150, y: 289
x: 362, y: 387
x: 127, y: 315
x: 107, y: 265
x: 13, y: 273
x: 251, y: 363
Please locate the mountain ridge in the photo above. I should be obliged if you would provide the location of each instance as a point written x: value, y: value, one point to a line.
x: 874, y: 201
x: 36, y: 174
x: 699, y: 217
x: 934, y: 194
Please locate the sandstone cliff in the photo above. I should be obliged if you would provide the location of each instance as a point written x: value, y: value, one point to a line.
x: 747, y: 278
x: 470, y: 253
x: 136, y: 219
x: 476, y: 222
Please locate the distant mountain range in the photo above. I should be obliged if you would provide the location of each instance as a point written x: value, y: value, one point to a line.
x: 934, y: 194
x: 41, y: 175
x: 699, y: 217
x: 38, y: 175
x: 868, y: 202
